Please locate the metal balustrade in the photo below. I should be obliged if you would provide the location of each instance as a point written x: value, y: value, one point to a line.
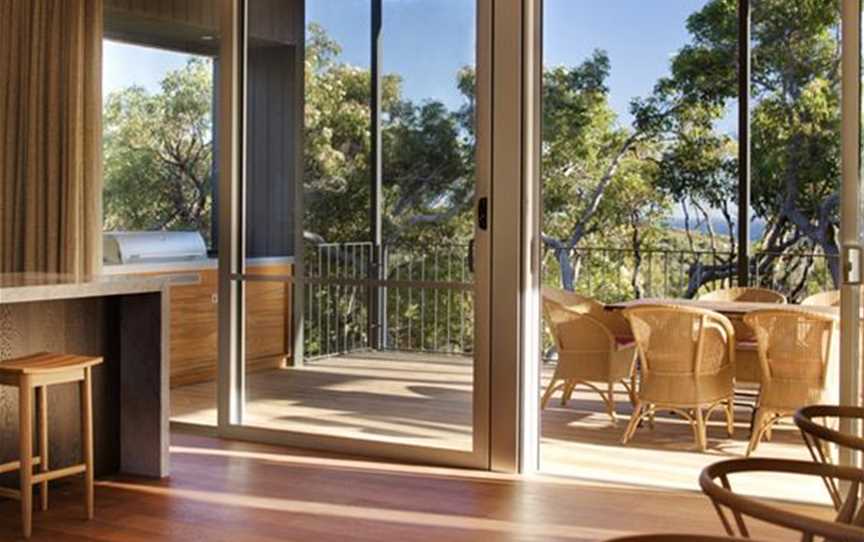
x: 428, y: 297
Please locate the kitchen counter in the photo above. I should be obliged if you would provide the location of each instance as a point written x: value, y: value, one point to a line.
x: 26, y: 287
x: 125, y: 320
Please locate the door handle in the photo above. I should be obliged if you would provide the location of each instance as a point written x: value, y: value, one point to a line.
x: 471, y: 256
x: 483, y: 213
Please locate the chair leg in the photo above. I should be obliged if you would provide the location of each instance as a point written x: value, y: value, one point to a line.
x: 550, y: 390
x: 699, y: 428
x: 25, y: 413
x: 42, y: 394
x: 610, y: 404
x: 758, y: 429
x: 730, y: 417
x: 87, y: 439
x: 636, y: 417
x: 568, y: 393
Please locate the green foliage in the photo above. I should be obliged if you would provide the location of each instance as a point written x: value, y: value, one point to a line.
x: 427, y: 155
x: 158, y: 153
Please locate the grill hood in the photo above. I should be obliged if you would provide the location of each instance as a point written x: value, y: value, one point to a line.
x: 153, y: 247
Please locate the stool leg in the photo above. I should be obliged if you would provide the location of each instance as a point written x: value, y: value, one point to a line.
x: 87, y: 438
x: 42, y: 394
x: 25, y: 412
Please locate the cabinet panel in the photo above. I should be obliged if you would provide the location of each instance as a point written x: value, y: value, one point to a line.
x: 194, y: 324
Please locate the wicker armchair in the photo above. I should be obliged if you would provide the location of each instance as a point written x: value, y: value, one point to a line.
x: 794, y: 348
x: 687, y: 365
x: 749, y: 295
x: 747, y: 361
x: 595, y: 346
x: 716, y: 483
x: 831, y: 298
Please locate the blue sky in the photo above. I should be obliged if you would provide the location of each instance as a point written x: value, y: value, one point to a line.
x: 427, y: 41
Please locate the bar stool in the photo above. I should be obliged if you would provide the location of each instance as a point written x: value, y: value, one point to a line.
x: 34, y: 374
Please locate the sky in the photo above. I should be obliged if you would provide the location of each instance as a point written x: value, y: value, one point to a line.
x: 427, y: 41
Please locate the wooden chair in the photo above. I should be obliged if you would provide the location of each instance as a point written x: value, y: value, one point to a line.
x: 594, y: 346
x: 831, y: 298
x: 674, y: 538
x: 747, y: 295
x: 687, y: 365
x: 34, y: 374
x: 820, y: 437
x: 794, y: 348
x: 847, y: 526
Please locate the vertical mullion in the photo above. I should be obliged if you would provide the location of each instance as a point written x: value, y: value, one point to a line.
x: 375, y: 208
x: 744, y: 170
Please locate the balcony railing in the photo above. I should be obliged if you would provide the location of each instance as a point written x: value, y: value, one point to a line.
x: 427, y: 299
x: 427, y: 292
x: 615, y: 274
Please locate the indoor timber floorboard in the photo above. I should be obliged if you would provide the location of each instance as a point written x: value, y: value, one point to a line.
x: 425, y: 399
x: 238, y: 492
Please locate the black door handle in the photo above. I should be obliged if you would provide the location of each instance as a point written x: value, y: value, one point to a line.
x: 471, y: 256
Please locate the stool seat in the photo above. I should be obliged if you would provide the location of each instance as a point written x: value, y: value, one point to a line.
x: 46, y: 362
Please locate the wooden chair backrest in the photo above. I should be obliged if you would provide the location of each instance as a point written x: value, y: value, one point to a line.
x: 848, y: 525
x: 674, y: 538
x: 818, y: 436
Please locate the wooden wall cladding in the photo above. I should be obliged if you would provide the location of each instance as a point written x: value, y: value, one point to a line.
x: 181, y: 24
x: 270, y: 166
x: 194, y: 325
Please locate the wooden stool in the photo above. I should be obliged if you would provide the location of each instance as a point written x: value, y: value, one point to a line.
x: 36, y: 373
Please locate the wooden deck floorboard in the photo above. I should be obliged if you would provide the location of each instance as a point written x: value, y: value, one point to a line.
x: 425, y: 400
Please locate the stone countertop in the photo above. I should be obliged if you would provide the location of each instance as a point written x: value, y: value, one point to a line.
x: 187, y: 266
x: 28, y: 287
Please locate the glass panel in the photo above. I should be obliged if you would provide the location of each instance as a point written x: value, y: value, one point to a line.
x: 640, y: 179
x: 159, y: 172
x: 388, y: 327
x: 795, y: 131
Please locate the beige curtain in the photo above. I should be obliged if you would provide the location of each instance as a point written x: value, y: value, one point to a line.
x: 51, y: 136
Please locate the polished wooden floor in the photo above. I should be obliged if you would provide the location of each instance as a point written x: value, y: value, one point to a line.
x: 425, y: 399
x: 235, y: 492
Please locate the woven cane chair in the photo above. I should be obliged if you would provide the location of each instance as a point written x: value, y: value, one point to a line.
x: 746, y: 295
x: 794, y: 348
x: 846, y: 527
x: 747, y: 361
x: 831, y: 298
x: 821, y: 437
x: 595, y: 346
x: 687, y: 363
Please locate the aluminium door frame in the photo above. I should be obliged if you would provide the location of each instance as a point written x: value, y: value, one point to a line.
x: 233, y: 276
x: 850, y: 216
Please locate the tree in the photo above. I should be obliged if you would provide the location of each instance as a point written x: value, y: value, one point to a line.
x: 427, y: 156
x: 159, y: 153
x: 794, y: 130
x: 794, y: 127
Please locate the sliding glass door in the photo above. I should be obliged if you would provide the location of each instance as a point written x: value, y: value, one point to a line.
x: 691, y: 146
x: 360, y: 230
